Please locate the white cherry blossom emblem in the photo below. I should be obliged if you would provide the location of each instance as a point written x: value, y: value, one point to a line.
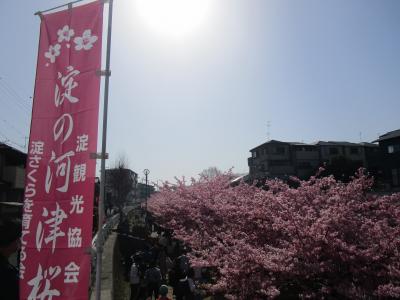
x: 85, y: 41
x: 53, y: 52
x: 65, y: 34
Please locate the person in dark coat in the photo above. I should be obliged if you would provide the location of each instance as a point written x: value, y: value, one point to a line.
x: 185, y: 288
x: 153, y: 279
x: 10, y: 233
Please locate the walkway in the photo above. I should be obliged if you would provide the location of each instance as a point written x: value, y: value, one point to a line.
x: 107, y: 269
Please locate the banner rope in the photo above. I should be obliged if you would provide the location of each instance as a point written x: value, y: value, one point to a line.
x: 69, y: 5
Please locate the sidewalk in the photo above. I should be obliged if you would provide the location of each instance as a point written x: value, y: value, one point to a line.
x: 107, y: 269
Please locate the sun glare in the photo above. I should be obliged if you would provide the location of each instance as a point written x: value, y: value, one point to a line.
x: 174, y: 17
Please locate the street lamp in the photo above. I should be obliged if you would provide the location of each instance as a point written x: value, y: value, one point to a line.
x: 146, y: 172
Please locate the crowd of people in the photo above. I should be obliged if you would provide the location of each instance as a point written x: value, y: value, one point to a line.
x: 156, y: 264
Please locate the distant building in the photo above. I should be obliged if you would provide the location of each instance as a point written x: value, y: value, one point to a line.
x: 144, y: 190
x: 373, y: 158
x: 353, y: 151
x: 12, y: 181
x: 389, y: 145
x: 120, y: 187
x: 271, y: 159
x: 12, y: 174
x: 306, y: 159
x: 276, y: 159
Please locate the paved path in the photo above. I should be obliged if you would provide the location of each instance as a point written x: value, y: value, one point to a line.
x: 107, y: 269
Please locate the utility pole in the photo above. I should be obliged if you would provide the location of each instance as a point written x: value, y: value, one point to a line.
x: 100, y: 237
x: 146, y: 173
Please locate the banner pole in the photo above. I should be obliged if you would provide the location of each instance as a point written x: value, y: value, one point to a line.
x: 100, y: 237
x: 57, y: 7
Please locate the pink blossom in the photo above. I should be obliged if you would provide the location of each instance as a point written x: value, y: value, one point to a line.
x: 322, y: 238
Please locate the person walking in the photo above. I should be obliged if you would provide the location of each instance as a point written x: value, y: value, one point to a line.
x: 134, y: 280
x: 185, y: 288
x: 153, y: 279
x: 162, y: 262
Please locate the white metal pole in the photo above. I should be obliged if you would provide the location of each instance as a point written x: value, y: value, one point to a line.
x: 100, y: 239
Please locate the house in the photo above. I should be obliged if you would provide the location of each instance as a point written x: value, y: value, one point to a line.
x: 373, y: 158
x: 306, y: 159
x: 12, y: 174
x: 120, y: 187
x: 277, y: 159
x: 389, y: 146
x: 144, y: 191
x: 271, y: 159
x: 331, y: 150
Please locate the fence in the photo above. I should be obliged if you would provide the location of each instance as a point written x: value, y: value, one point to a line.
x: 107, y: 229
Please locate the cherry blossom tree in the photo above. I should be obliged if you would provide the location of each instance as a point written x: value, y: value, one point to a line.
x: 323, y: 239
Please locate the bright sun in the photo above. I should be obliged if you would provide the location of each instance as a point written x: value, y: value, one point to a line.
x: 174, y: 17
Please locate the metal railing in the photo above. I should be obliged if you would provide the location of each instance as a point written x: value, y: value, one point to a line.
x: 107, y: 229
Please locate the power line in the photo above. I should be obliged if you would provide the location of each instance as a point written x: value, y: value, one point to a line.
x: 26, y: 113
x: 7, y: 91
x: 22, y: 120
x: 7, y: 140
x: 13, y: 94
x: 14, y: 128
x: 13, y: 91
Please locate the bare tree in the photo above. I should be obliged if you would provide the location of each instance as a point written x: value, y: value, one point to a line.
x: 119, y: 183
x: 121, y: 160
x: 210, y: 172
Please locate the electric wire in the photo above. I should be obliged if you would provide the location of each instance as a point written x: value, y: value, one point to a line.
x: 8, y: 94
x: 8, y: 85
x: 7, y: 140
x: 5, y: 99
x: 15, y: 98
x: 16, y: 130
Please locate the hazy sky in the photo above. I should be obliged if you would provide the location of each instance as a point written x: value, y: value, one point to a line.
x: 317, y: 70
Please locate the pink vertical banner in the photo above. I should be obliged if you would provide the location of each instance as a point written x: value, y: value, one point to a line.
x: 59, y: 189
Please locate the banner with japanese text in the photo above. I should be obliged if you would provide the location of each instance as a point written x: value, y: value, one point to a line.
x: 59, y: 189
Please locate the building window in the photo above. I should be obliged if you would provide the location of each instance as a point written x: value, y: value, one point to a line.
x: 395, y: 177
x: 393, y: 148
x: 354, y: 150
x: 279, y: 150
x: 278, y: 163
x: 305, y: 149
x: 304, y: 165
x: 333, y: 151
x: 254, y: 154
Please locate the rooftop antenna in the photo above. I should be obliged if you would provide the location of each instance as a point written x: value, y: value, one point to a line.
x: 268, y: 130
x: 360, y: 136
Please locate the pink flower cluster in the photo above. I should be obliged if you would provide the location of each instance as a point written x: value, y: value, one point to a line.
x: 322, y: 239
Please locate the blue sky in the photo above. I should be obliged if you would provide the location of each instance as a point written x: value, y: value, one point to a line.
x: 317, y: 70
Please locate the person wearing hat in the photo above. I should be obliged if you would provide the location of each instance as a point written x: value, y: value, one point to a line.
x: 163, y: 293
x: 10, y: 233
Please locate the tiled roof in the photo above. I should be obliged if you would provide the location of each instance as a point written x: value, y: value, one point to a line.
x: 388, y: 135
x: 322, y: 143
x: 336, y: 143
x: 269, y: 142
